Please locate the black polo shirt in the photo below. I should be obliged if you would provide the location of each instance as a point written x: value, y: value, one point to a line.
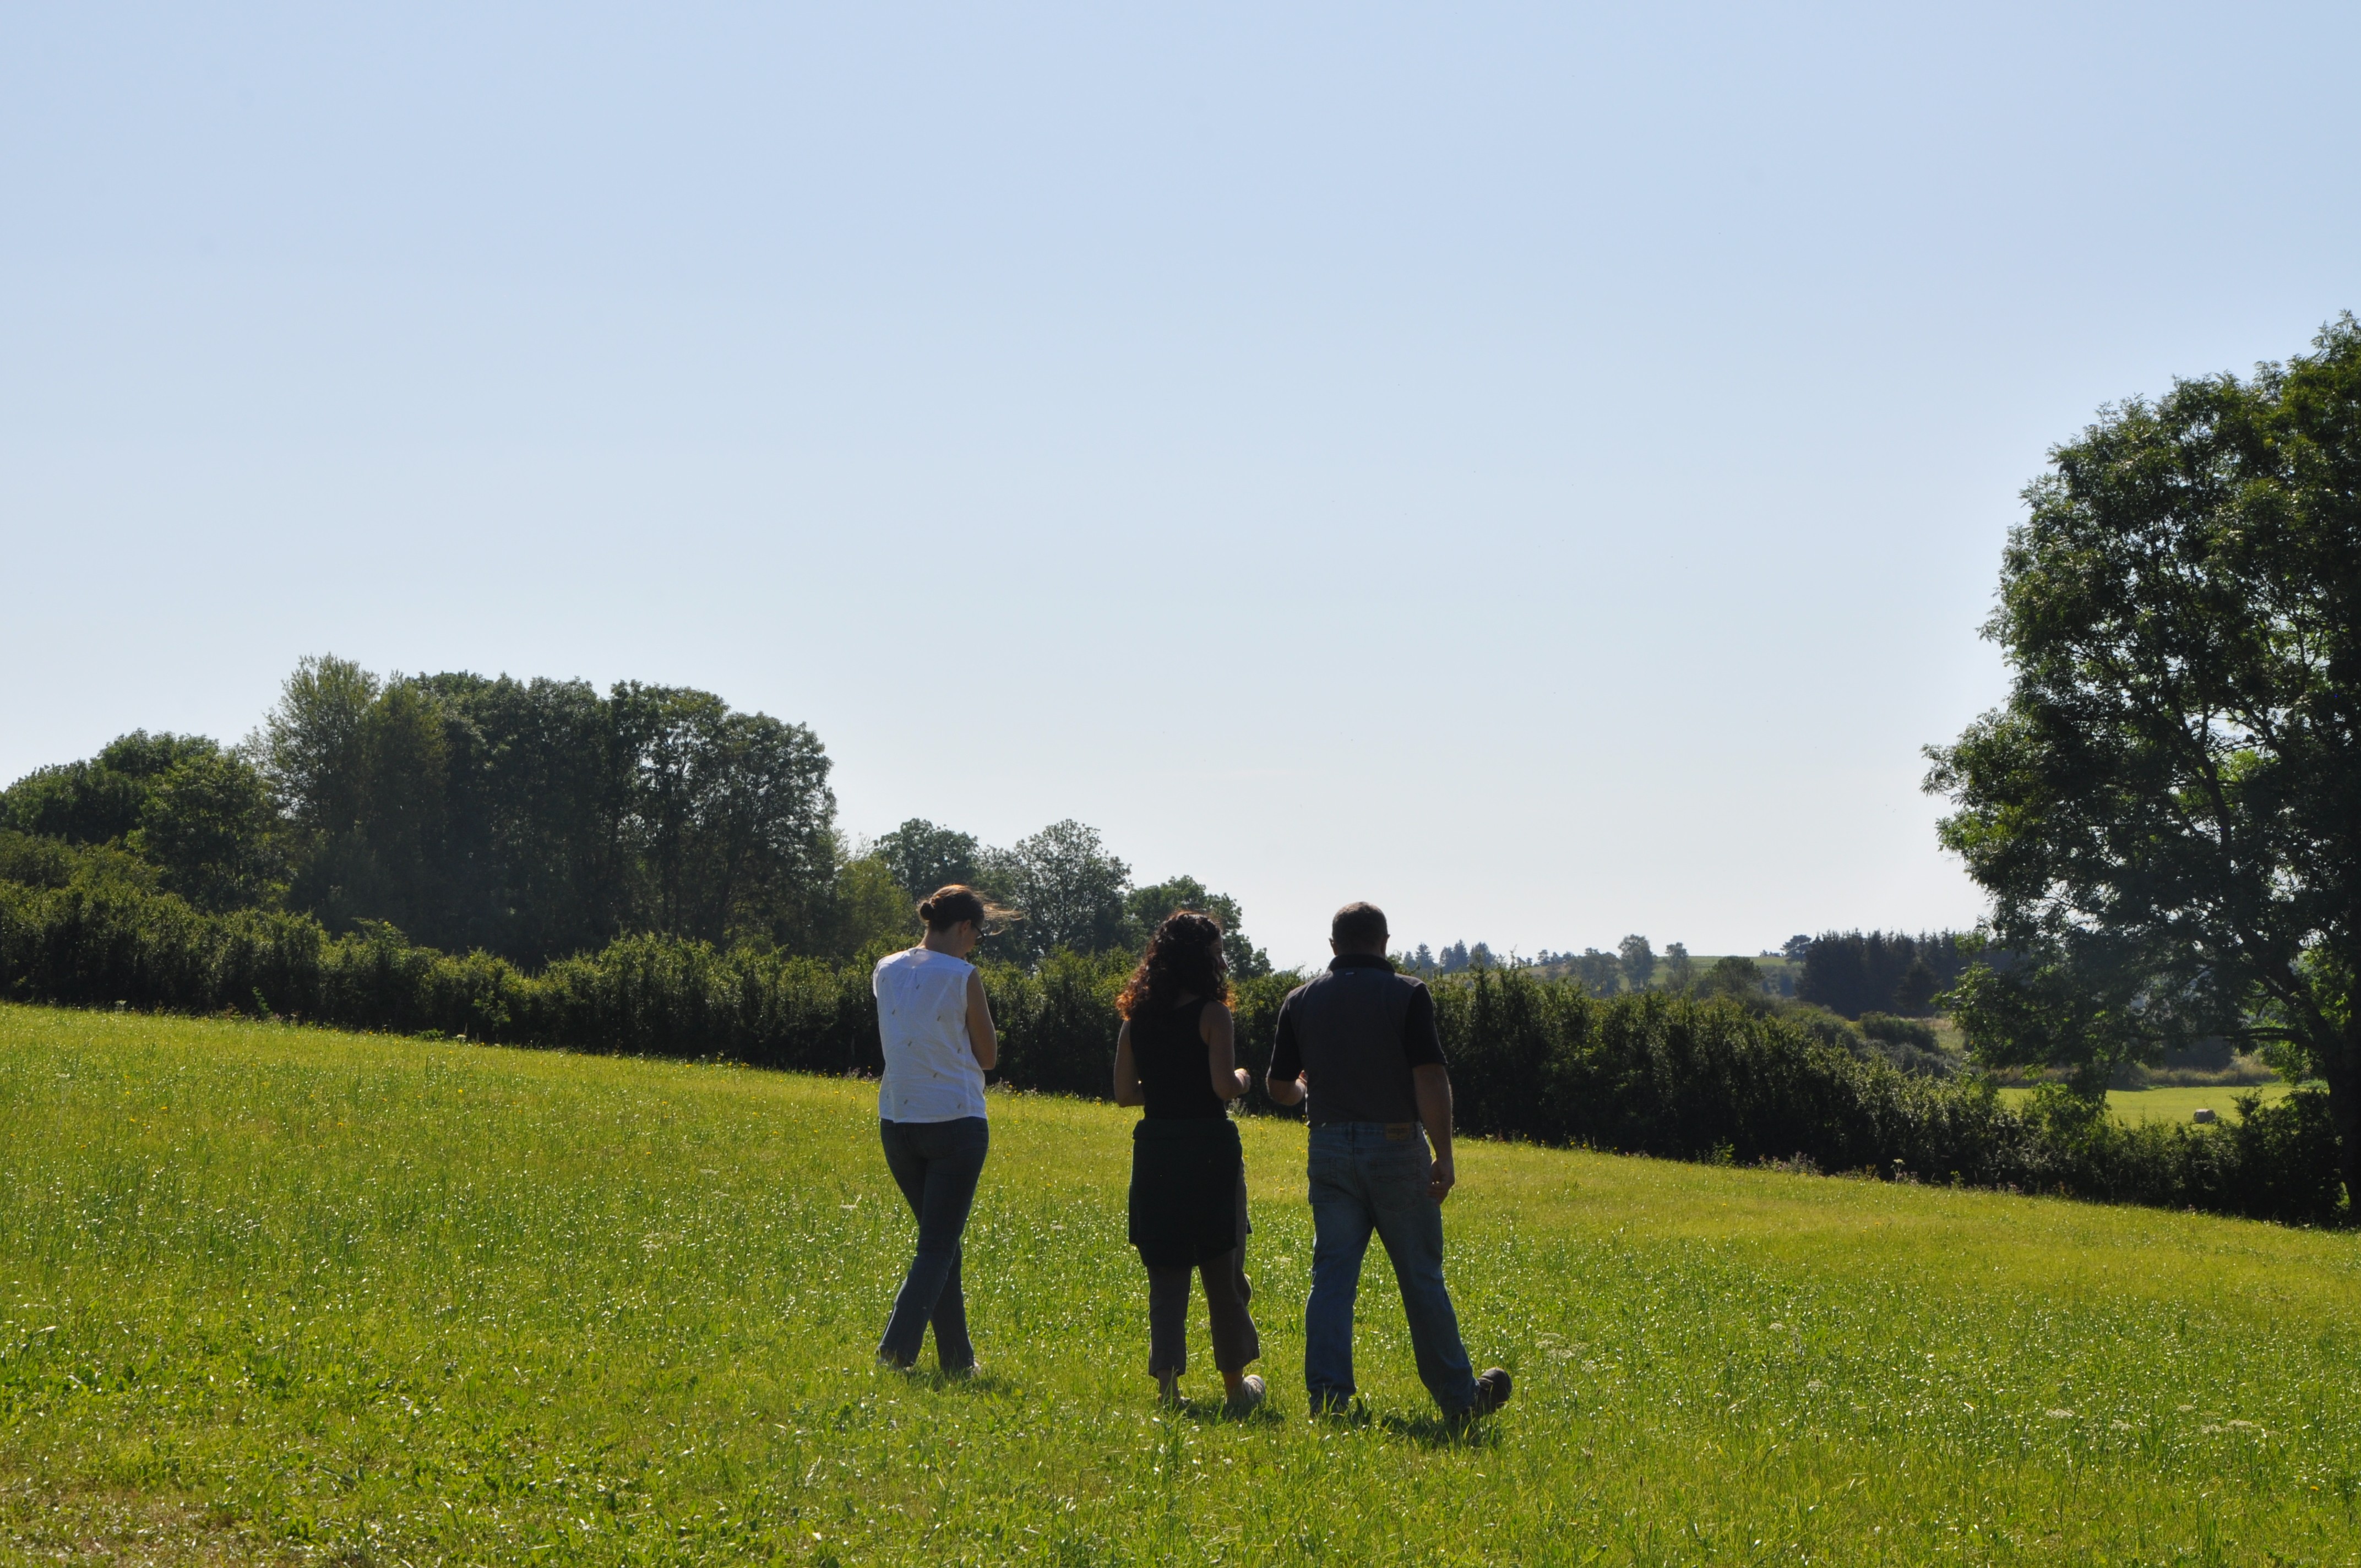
x: 1357, y: 1031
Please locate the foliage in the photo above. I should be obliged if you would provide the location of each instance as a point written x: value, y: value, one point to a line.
x: 872, y: 909
x: 1733, y: 977
x: 1598, y: 973
x: 1649, y: 1073
x: 97, y: 801
x: 1070, y: 889
x: 1639, y: 961
x: 1852, y: 972
x: 1672, y: 1076
x: 209, y: 827
x: 1896, y: 1031
x: 286, y: 1294
x: 1145, y: 908
x: 923, y: 857
x: 2166, y: 811
x: 539, y: 819
x: 200, y: 815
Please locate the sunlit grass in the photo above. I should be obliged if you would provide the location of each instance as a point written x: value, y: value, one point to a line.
x: 272, y: 1292
x: 2175, y: 1104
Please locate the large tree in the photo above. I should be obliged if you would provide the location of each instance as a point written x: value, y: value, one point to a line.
x: 2167, y: 811
x: 1069, y: 890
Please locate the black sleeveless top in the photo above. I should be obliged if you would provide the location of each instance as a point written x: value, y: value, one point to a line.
x: 1171, y: 1057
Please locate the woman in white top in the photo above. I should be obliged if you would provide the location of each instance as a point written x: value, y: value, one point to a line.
x: 936, y: 1031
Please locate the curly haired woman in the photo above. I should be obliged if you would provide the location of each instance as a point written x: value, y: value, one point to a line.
x: 1175, y: 1055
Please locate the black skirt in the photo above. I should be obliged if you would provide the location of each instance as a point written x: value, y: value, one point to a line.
x: 1184, y: 1190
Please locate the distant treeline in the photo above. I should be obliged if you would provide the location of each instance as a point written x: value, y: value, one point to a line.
x: 1725, y: 1078
x: 1850, y: 972
x: 537, y: 819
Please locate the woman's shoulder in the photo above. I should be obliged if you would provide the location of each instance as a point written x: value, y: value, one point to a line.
x: 925, y: 959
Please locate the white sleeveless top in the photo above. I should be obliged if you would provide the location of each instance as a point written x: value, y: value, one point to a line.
x: 930, y: 1071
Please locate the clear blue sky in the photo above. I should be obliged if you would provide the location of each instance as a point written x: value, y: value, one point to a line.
x: 1540, y: 468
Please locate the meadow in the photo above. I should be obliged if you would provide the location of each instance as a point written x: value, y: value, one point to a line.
x: 278, y: 1294
x: 2171, y: 1103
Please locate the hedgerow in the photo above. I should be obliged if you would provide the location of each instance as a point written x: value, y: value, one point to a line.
x: 1649, y: 1073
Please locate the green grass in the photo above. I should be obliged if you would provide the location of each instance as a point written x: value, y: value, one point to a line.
x: 2174, y: 1104
x: 288, y: 1295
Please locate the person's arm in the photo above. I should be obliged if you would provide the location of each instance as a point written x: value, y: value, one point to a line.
x: 1285, y: 1081
x: 1128, y: 1091
x: 981, y: 1039
x: 1432, y: 1084
x: 1219, y: 1030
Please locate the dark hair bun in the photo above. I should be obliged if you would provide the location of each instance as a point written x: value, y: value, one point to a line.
x: 951, y: 905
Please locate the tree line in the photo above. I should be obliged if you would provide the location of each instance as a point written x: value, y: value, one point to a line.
x: 536, y: 820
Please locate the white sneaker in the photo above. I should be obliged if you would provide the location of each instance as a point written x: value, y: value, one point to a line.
x: 1251, y: 1392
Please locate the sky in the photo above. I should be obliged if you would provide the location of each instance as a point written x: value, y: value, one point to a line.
x: 1540, y: 469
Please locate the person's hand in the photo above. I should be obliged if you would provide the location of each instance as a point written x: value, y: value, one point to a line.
x: 1245, y: 1080
x: 1440, y: 1180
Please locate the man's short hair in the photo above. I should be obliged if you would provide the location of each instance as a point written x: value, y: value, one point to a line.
x: 1360, y: 927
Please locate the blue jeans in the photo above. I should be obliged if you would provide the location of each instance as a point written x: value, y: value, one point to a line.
x: 1367, y: 1176
x: 936, y: 1165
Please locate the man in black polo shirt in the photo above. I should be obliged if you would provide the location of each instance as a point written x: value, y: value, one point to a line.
x: 1360, y: 1041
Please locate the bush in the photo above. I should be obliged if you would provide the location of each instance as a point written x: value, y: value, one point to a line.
x: 1888, y: 1029
x: 1717, y: 1080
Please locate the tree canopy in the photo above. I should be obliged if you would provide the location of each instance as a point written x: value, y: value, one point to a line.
x: 2167, y: 809
x: 536, y: 820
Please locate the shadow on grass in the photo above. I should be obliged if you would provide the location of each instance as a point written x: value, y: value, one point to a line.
x: 1443, y: 1431
x: 1218, y: 1413
x: 935, y: 1380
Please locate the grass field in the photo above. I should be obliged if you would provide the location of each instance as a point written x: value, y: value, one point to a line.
x: 288, y: 1295
x: 2174, y: 1104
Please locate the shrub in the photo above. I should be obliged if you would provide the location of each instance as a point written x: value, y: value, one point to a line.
x: 1720, y: 1080
x: 1893, y: 1031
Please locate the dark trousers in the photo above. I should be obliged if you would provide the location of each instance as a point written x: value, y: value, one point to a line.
x: 936, y: 1165
x: 1236, y: 1345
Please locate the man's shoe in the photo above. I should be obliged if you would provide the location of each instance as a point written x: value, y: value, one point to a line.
x: 1251, y: 1392
x: 1320, y: 1406
x: 1491, y: 1390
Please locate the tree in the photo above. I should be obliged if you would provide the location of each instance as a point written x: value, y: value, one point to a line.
x: 541, y: 790
x: 873, y: 908
x: 1793, y: 949
x: 2167, y: 809
x: 1638, y: 960
x: 1733, y: 977
x: 1145, y: 908
x: 732, y: 817
x: 923, y: 857
x: 99, y: 801
x: 1601, y: 973
x: 207, y: 824
x: 1680, y: 970
x: 1853, y: 972
x: 311, y: 743
x: 1069, y: 889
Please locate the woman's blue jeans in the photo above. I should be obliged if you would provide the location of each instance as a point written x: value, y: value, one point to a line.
x: 936, y: 1165
x: 1372, y: 1176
